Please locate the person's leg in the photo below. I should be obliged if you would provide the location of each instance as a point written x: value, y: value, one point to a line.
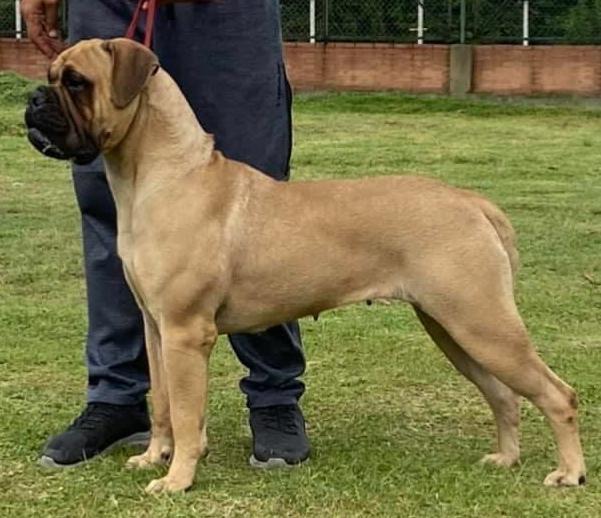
x: 227, y: 59
x: 116, y: 360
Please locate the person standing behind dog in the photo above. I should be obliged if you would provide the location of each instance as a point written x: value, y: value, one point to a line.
x: 226, y: 56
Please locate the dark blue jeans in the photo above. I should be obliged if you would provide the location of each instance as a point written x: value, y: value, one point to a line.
x: 227, y: 59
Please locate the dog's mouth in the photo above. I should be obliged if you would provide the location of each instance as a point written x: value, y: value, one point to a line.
x: 44, y: 145
x: 52, y: 133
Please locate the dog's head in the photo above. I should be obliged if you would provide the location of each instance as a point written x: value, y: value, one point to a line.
x: 91, y: 100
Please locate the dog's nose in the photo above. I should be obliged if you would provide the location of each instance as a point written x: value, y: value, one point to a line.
x: 44, y: 112
x: 38, y: 97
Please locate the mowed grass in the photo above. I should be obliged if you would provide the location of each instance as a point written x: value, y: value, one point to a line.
x: 395, y: 430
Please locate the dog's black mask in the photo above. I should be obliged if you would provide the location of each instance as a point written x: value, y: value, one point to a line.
x: 53, y: 132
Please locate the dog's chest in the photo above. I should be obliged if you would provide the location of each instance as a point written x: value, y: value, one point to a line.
x: 133, y: 269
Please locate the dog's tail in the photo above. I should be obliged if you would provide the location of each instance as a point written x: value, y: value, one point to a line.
x: 504, y: 229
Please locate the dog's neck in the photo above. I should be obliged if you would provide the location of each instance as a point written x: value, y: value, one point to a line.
x: 171, y: 134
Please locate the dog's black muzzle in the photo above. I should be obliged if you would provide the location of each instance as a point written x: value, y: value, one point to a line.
x: 51, y: 131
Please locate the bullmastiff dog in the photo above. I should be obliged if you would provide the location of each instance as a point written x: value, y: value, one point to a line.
x: 203, y: 238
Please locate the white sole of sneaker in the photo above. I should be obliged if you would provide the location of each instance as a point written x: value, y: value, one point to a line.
x: 275, y: 463
x: 136, y: 439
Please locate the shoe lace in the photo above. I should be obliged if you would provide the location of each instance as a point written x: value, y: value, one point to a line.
x: 94, y: 417
x: 281, y: 418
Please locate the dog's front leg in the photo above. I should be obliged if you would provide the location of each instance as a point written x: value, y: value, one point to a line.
x: 161, y: 443
x: 186, y: 347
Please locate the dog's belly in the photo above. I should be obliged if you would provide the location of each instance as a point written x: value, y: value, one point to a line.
x: 234, y: 321
x: 256, y: 310
x: 379, y: 242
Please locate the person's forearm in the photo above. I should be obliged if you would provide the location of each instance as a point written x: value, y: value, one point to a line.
x: 41, y: 18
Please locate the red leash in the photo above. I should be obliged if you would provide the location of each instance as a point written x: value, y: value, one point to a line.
x: 149, y: 7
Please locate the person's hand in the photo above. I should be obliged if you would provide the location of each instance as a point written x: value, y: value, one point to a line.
x: 41, y: 18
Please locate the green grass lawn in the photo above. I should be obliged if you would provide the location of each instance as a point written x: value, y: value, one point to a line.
x: 395, y: 430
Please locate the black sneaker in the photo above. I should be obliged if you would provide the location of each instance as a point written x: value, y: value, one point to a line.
x: 279, y: 437
x: 100, y: 428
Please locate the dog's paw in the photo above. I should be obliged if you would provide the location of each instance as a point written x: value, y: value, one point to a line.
x: 561, y: 478
x: 167, y: 485
x: 142, y: 461
x: 503, y: 460
x: 149, y: 460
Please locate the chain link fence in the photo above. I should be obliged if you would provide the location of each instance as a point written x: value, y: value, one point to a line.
x: 11, y: 25
x: 7, y: 18
x: 418, y: 21
x: 443, y: 21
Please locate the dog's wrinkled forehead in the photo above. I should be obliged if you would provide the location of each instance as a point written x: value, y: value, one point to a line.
x: 118, y: 69
x: 88, y: 59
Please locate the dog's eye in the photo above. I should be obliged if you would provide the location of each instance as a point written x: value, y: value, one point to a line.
x: 74, y: 82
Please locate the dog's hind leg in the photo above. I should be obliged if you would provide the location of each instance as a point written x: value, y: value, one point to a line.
x: 504, y: 402
x: 485, y: 323
x: 161, y: 442
x: 187, y: 343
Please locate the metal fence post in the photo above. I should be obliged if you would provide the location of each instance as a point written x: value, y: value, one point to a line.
x: 526, y: 23
x: 462, y: 23
x: 18, y: 21
x: 420, y: 22
x: 312, y: 21
x: 326, y: 20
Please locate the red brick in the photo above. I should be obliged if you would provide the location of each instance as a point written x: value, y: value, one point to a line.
x: 22, y: 57
x: 501, y: 69
x: 368, y: 66
x: 538, y: 69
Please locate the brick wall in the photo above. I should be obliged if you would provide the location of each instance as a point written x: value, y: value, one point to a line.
x: 346, y: 66
x: 22, y: 57
x: 500, y: 69
x: 537, y: 70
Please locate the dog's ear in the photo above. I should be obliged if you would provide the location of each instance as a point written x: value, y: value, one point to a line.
x: 133, y: 64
